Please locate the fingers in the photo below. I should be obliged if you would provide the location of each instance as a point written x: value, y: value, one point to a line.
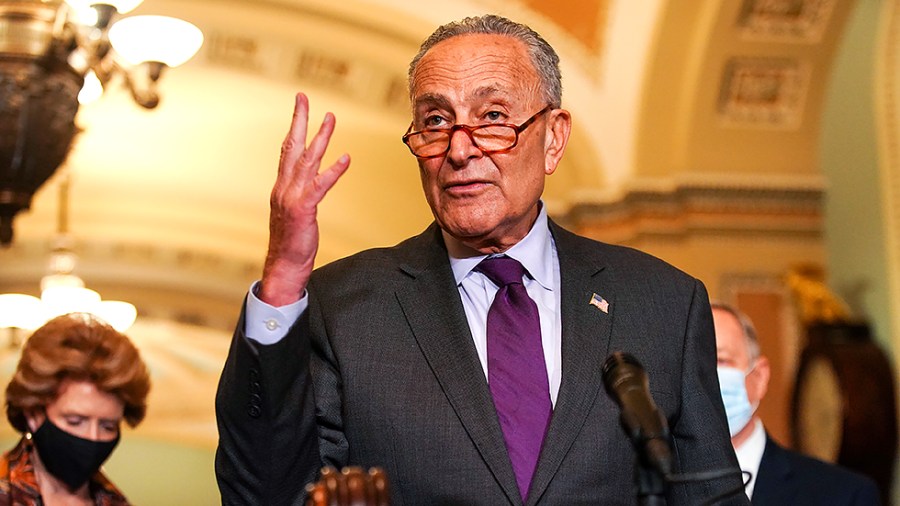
x: 313, y: 155
x: 300, y: 163
x: 293, y: 207
x: 326, y: 180
x: 295, y: 141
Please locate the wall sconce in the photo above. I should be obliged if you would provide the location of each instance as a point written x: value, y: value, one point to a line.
x: 55, y: 54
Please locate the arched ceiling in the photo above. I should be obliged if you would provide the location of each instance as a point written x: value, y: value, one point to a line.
x: 170, y: 207
x: 737, y: 87
x: 647, y: 83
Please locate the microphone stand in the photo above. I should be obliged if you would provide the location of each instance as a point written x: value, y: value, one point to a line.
x: 649, y: 482
x: 627, y: 383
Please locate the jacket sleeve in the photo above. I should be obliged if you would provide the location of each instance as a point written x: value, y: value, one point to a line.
x: 701, y: 441
x: 265, y: 412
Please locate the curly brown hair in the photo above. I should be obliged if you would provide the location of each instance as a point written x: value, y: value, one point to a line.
x: 77, y: 346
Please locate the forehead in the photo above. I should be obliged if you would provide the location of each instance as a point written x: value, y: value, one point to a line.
x: 84, y: 398
x: 474, y: 67
x: 729, y: 334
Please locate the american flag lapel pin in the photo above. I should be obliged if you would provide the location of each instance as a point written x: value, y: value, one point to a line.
x: 600, y: 303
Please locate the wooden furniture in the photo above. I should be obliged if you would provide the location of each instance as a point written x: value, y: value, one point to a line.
x: 351, y: 486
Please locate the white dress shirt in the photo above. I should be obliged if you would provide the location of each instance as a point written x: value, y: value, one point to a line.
x: 267, y: 324
x: 750, y: 454
x: 537, y: 253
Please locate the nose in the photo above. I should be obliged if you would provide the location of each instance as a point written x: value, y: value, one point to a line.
x: 462, y: 148
x: 94, y: 431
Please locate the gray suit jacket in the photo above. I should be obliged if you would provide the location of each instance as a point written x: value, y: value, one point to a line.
x: 382, y: 371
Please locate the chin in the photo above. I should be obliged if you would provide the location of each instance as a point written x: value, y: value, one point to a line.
x: 468, y: 221
x: 468, y: 234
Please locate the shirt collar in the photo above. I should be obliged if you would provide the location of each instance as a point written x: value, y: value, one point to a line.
x: 534, y: 252
x: 750, y: 453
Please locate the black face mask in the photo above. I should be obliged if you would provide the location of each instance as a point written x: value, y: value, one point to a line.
x: 71, y: 459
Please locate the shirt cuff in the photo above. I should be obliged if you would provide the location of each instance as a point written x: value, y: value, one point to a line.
x: 267, y: 324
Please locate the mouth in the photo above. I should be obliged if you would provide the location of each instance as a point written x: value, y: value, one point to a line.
x: 467, y: 187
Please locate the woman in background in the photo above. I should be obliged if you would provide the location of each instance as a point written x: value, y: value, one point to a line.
x: 77, y: 379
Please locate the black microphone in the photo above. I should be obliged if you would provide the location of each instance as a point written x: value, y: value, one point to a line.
x: 627, y: 383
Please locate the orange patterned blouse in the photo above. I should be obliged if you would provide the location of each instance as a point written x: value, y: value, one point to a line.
x: 18, y: 484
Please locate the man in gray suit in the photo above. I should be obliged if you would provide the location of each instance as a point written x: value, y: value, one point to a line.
x: 386, y: 358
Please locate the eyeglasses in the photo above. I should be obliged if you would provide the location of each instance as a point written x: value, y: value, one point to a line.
x: 490, y: 138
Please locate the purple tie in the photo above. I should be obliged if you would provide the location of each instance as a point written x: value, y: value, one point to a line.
x: 517, y: 375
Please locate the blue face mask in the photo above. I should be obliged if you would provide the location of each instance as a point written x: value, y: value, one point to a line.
x: 734, y: 396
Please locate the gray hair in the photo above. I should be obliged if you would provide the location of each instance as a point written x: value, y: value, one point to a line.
x: 543, y: 56
x: 746, y: 326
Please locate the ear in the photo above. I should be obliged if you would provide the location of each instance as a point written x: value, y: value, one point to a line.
x: 35, y: 418
x: 559, y: 126
x: 758, y: 380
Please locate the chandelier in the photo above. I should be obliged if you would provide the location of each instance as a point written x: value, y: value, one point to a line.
x: 62, y: 291
x: 56, y: 54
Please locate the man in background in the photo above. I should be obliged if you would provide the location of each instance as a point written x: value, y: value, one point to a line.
x: 777, y: 476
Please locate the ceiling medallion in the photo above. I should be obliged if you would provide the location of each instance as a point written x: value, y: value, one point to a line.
x: 801, y: 20
x: 763, y: 92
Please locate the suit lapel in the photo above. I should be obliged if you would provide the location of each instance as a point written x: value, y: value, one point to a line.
x: 774, y: 477
x: 435, y: 314
x: 585, y: 343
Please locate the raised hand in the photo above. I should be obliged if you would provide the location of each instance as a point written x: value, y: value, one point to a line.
x: 298, y: 190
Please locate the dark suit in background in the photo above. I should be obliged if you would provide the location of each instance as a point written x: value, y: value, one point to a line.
x: 394, y: 381
x: 791, y: 479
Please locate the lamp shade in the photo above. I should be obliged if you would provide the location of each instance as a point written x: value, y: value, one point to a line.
x: 21, y: 311
x: 122, y: 6
x: 119, y: 314
x: 59, y: 300
x: 140, y: 39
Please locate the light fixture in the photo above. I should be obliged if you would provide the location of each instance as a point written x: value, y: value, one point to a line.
x: 55, y: 54
x: 62, y: 291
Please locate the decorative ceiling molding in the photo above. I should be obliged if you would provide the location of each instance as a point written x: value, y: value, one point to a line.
x: 304, y: 60
x: 785, y: 20
x: 694, y: 208
x: 310, y: 63
x: 763, y: 92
